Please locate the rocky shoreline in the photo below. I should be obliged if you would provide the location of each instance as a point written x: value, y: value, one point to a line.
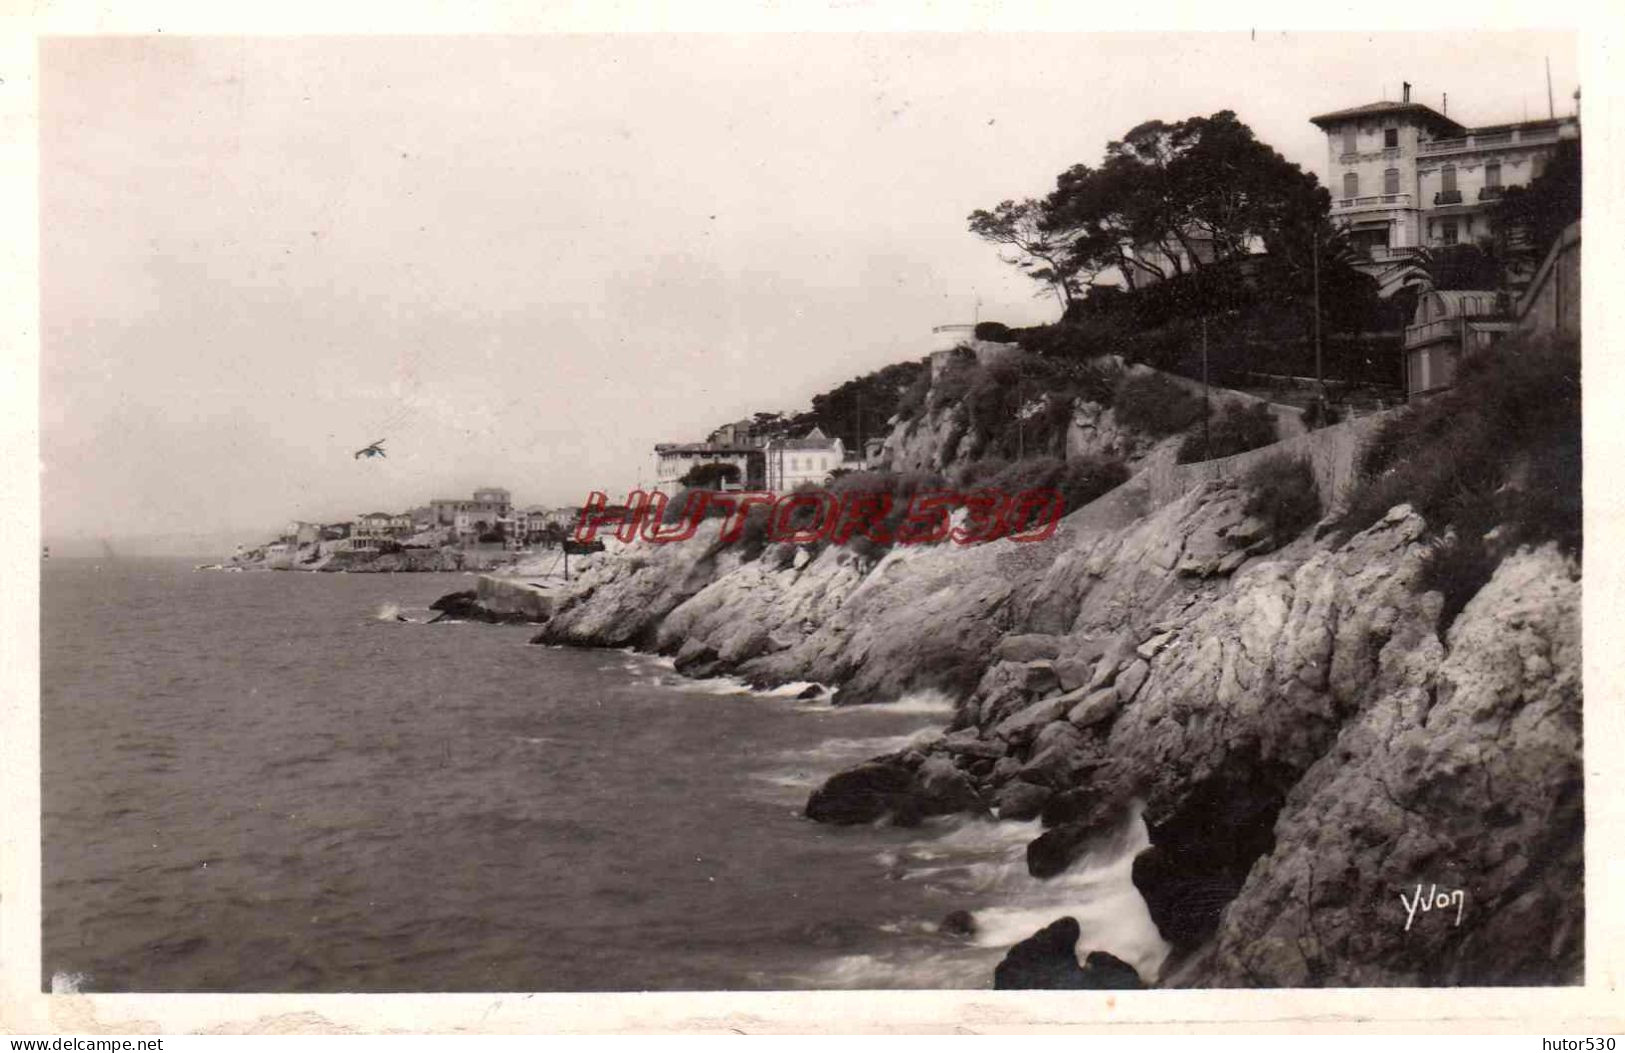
x: 1308, y: 743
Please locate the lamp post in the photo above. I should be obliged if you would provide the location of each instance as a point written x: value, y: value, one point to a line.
x: 1320, y: 379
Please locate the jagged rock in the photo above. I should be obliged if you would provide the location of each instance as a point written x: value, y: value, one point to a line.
x: 1017, y: 799
x: 943, y: 789
x: 1117, y: 654
x: 1048, y: 961
x: 801, y: 558
x: 1028, y: 647
x: 1057, y: 756
x: 1039, y: 677
x: 1095, y: 707
x: 1107, y: 972
x: 1074, y: 673
x: 1004, y: 770
x: 864, y: 794
x: 811, y: 691
x: 1021, y: 727
x: 1463, y: 771
x: 969, y: 743
x: 1130, y: 679
x: 1083, y: 820
x: 1183, y: 895
x: 958, y: 923
x: 1248, y: 531
x: 1068, y: 806
x: 1153, y: 647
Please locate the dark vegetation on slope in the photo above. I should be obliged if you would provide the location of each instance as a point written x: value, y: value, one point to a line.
x: 1154, y: 404
x: 1233, y: 428
x: 1282, y: 493
x: 1491, y: 464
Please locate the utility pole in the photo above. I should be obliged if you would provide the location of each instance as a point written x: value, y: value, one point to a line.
x: 1320, y: 379
x: 1207, y: 449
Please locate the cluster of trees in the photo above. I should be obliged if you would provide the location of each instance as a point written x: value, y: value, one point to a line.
x: 1167, y: 200
x: 853, y: 411
x: 1523, y: 225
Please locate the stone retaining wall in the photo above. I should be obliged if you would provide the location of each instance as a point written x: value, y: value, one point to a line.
x: 1333, y: 453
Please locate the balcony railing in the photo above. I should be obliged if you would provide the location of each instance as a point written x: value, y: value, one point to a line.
x: 1392, y: 252
x: 1447, y: 197
x: 1375, y: 201
x: 1490, y: 193
x: 1482, y: 142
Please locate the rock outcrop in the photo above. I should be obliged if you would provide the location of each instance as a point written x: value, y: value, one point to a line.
x: 1048, y: 960
x: 1306, y: 745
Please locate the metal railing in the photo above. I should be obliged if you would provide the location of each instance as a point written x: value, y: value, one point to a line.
x: 1477, y: 142
x: 1490, y: 193
x: 1375, y: 201
x: 1447, y: 197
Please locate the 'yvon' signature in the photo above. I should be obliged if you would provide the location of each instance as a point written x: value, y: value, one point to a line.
x: 1434, y: 898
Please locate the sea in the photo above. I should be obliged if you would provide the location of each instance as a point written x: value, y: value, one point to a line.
x: 291, y: 782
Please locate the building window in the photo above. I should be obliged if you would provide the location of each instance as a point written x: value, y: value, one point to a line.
x: 1351, y: 184
x: 1351, y: 140
x: 1390, y: 181
x: 1390, y: 138
x: 1449, y: 177
x: 1492, y: 174
x: 1447, y: 232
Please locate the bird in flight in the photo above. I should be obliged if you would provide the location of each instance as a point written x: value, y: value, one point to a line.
x: 375, y: 450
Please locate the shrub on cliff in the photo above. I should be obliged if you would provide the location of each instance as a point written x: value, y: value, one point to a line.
x: 1079, y: 480
x: 1490, y: 464
x: 997, y: 332
x: 1236, y: 428
x: 1282, y: 493
x: 1154, y: 404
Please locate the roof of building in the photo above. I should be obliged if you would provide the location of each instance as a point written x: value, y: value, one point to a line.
x: 1388, y: 109
x: 1457, y: 303
x: 704, y: 447
x: 813, y: 440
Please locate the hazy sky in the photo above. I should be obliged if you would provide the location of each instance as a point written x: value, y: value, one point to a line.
x: 525, y: 260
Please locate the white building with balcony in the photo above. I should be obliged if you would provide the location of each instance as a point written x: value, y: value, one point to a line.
x: 1404, y: 176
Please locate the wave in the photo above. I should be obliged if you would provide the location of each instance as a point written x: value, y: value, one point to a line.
x: 928, y: 701
x: 980, y: 866
x: 388, y: 611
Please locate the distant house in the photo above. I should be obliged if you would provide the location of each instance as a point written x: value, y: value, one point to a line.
x: 488, y: 505
x: 739, y: 433
x: 1404, y: 176
x: 742, y: 465
x: 383, y: 524
x: 809, y: 459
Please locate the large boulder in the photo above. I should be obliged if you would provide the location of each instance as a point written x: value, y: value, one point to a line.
x: 1022, y: 726
x: 903, y: 788
x: 1048, y: 961
x: 1059, y: 847
x: 1021, y: 800
x: 867, y: 793
x: 941, y: 789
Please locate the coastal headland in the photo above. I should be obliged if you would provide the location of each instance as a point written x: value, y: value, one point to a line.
x: 1315, y: 718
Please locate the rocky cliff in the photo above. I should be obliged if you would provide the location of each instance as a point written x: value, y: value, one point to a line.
x: 1312, y: 752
